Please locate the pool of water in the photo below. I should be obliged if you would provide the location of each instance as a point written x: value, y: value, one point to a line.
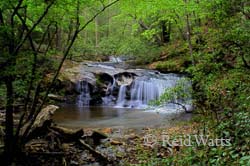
x: 103, y: 116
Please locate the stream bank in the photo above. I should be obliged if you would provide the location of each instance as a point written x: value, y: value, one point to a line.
x: 52, y: 144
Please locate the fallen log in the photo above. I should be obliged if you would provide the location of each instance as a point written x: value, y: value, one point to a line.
x: 47, y: 153
x: 67, y: 135
x: 94, y: 152
x: 41, y: 124
x: 56, y: 97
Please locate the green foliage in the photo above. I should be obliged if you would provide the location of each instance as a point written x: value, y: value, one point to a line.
x: 220, y: 80
x: 2, y: 95
x: 173, y: 65
x: 222, y: 88
x: 140, y: 50
x: 109, y: 46
x: 179, y: 94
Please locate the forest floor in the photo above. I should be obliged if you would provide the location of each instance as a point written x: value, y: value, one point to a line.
x: 57, y: 145
x: 127, y: 147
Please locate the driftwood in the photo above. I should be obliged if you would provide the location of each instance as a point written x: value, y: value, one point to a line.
x: 42, y: 122
x: 47, y: 153
x: 45, y: 139
x: 67, y: 135
x: 38, y: 145
x: 56, y: 97
x: 94, y: 152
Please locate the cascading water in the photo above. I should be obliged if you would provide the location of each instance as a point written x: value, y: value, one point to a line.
x: 145, y: 89
x: 142, y: 92
x: 115, y: 59
x: 84, y: 98
x: 122, y: 95
x: 130, y: 88
x: 116, y: 97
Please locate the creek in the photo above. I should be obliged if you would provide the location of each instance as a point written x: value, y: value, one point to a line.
x: 113, y: 96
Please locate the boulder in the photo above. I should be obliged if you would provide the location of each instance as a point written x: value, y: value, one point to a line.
x: 124, y: 78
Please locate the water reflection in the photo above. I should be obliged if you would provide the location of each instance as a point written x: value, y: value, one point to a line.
x: 74, y: 116
x: 73, y: 112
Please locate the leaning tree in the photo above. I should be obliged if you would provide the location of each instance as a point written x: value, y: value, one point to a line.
x: 28, y: 30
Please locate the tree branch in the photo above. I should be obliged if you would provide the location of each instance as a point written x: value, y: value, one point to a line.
x: 66, y: 52
x: 183, y: 106
x: 44, y: 35
x: 1, y: 17
x: 98, y: 13
x: 15, y: 51
x: 245, y: 62
x: 145, y: 27
x: 33, y: 27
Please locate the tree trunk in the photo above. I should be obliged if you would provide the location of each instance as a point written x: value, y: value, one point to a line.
x: 109, y: 21
x: 8, y: 142
x: 165, y: 31
x: 59, y: 39
x: 189, y: 36
x: 96, y: 35
x: 85, y: 40
x: 157, y: 37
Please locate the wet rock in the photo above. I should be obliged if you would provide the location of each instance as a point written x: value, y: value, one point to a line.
x: 56, y: 97
x: 125, y: 78
x: 72, y: 162
x: 115, y: 142
x: 106, y: 131
x: 97, y: 137
x: 131, y: 136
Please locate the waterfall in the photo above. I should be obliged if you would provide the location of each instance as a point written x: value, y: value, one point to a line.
x: 149, y: 88
x: 142, y: 92
x: 84, y: 98
x: 145, y: 90
x: 122, y: 96
x: 131, y: 88
x: 115, y: 59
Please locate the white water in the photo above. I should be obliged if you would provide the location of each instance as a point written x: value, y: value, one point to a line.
x: 84, y: 98
x: 130, y: 98
x: 142, y: 92
x: 145, y: 89
x: 115, y: 59
x: 122, y: 96
x: 145, y: 86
